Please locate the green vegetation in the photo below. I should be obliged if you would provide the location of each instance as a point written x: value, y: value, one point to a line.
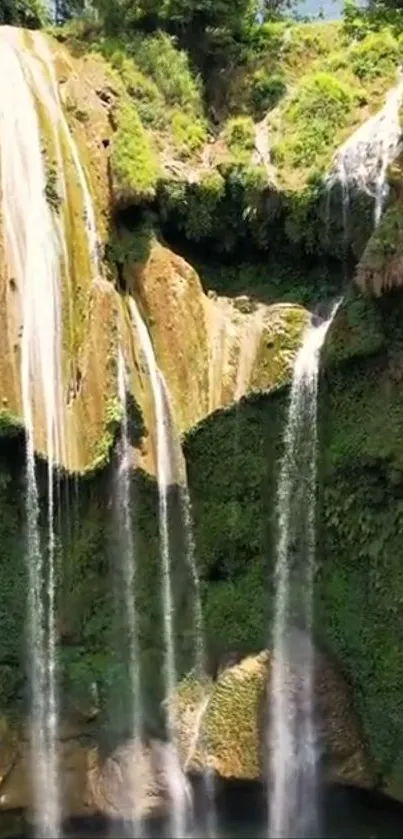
x: 51, y: 188
x: 240, y: 136
x: 189, y: 135
x: 128, y: 246
x: 317, y: 110
x: 376, y: 55
x: 362, y: 464
x: 381, y: 264
x: 133, y: 160
x: 266, y: 91
x: 31, y: 14
x: 113, y: 419
x: 359, y: 584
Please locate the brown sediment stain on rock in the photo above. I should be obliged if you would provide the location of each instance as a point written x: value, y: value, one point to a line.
x: 212, y: 350
x: 173, y: 304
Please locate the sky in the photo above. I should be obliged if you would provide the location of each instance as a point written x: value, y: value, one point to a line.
x: 331, y: 9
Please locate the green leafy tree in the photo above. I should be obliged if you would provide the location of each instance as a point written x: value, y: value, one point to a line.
x: 66, y: 9
x: 31, y: 14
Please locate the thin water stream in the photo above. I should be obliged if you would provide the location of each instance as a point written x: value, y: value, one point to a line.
x: 127, y: 567
x: 164, y: 476
x: 362, y: 161
x: 293, y: 807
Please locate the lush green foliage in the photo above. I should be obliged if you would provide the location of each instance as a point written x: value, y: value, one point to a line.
x: 376, y: 55
x: 29, y: 13
x: 361, y: 19
x: 157, y: 77
x: 266, y: 91
x: 129, y: 246
x: 240, y: 136
x: 318, y: 109
x: 359, y: 584
x: 189, y: 134
x: 159, y: 58
x: 133, y: 160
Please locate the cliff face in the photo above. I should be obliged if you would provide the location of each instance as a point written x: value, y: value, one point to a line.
x: 279, y: 243
x: 186, y: 325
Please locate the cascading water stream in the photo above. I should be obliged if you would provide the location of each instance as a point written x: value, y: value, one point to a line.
x: 200, y: 658
x: 33, y: 252
x: 164, y: 476
x: 291, y: 736
x: 128, y: 575
x: 37, y: 257
x: 362, y: 161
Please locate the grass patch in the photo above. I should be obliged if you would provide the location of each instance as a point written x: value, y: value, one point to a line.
x: 239, y: 134
x: 169, y: 68
x: 266, y: 91
x: 189, y: 134
x: 377, y: 55
x: 318, y: 109
x: 133, y: 161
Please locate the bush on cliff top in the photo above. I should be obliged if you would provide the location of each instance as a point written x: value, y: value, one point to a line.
x: 319, y: 107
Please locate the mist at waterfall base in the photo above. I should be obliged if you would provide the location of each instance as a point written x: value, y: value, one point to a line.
x: 348, y: 813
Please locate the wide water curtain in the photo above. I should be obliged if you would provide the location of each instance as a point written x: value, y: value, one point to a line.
x: 39, y: 262
x: 33, y: 250
x: 292, y: 738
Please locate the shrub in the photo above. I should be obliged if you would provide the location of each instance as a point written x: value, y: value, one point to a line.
x: 128, y: 246
x: 189, y: 134
x: 202, y: 206
x: 158, y: 57
x: 360, y: 20
x: 133, y: 161
x: 29, y: 13
x: 320, y: 107
x: 377, y: 55
x: 240, y: 136
x: 148, y: 99
x: 266, y: 91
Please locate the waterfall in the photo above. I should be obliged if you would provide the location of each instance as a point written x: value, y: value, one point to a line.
x: 38, y: 260
x: 51, y: 98
x: 364, y: 158
x: 33, y: 251
x: 292, y: 741
x: 200, y: 658
x: 164, y: 476
x: 128, y: 573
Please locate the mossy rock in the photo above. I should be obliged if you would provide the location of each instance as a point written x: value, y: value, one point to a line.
x: 233, y: 714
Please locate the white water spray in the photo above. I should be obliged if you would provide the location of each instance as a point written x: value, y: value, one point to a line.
x: 51, y: 97
x: 292, y: 740
x: 362, y: 162
x: 128, y: 573
x: 164, y: 476
x: 33, y: 252
x: 200, y: 658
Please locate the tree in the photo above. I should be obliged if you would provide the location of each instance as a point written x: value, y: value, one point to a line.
x: 66, y: 9
x: 31, y: 14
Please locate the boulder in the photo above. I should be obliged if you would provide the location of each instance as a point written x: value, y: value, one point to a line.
x: 222, y: 724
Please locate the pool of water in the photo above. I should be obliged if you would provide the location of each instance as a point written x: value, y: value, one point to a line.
x: 345, y: 814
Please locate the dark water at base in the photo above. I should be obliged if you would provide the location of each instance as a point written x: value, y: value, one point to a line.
x: 347, y: 813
